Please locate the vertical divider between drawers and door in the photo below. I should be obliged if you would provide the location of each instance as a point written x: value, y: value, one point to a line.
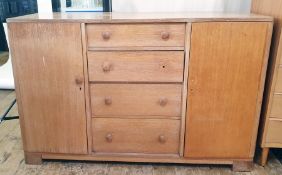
x: 188, y: 30
x: 86, y: 84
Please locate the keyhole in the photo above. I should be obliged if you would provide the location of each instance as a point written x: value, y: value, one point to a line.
x: 163, y: 66
x: 79, y: 88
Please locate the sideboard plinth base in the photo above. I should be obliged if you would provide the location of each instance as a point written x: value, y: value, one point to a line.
x: 33, y: 158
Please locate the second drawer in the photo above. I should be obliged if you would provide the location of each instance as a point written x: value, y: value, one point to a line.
x: 136, y: 99
x: 136, y: 66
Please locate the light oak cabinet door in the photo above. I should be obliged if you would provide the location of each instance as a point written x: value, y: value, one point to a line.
x: 225, y: 75
x: 48, y: 67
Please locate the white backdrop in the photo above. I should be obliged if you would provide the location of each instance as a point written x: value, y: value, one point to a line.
x: 6, y: 72
x: 181, y: 5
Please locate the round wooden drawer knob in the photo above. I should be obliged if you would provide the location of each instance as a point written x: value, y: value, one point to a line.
x: 106, y: 66
x: 108, y: 101
x: 165, y: 35
x: 162, y: 139
x: 163, y: 101
x: 106, y: 35
x: 109, y: 137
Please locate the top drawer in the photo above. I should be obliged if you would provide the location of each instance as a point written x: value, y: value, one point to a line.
x: 135, y: 35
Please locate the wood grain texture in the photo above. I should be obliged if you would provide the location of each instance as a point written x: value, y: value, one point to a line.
x: 140, y: 66
x: 261, y: 87
x: 86, y: 88
x: 263, y: 156
x: 117, y: 17
x: 188, y: 29
x: 136, y: 99
x: 52, y: 103
x: 271, y: 104
x: 143, y: 158
x: 278, y: 84
x: 274, y: 131
x: 17, y: 90
x: 136, y: 35
x: 135, y: 136
x: 224, y: 81
x: 132, y: 48
x: 276, y: 107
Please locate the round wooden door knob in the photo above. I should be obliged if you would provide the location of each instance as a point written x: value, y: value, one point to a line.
x: 79, y: 81
x: 108, y: 101
x: 162, y: 139
x: 165, y: 35
x: 109, y: 137
x: 163, y: 101
x: 106, y: 35
x: 106, y: 66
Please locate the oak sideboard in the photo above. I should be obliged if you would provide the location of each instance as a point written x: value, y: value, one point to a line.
x: 140, y: 87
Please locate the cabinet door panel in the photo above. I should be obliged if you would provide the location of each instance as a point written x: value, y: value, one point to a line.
x: 47, y: 58
x: 225, y: 70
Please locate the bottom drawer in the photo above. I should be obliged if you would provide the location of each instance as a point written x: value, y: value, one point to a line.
x: 274, y: 131
x: 149, y: 136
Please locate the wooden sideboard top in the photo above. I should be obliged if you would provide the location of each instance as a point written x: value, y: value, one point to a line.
x: 115, y: 17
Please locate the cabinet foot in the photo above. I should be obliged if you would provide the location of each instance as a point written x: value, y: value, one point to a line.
x: 263, y: 155
x: 33, y: 158
x: 242, y: 166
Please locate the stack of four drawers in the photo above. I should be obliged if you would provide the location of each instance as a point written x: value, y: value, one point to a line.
x: 136, y: 80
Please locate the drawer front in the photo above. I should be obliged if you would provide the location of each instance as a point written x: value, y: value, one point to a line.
x: 274, y: 131
x: 136, y: 99
x: 140, y: 66
x: 276, y: 108
x: 151, y: 136
x: 135, y: 35
x: 278, y: 86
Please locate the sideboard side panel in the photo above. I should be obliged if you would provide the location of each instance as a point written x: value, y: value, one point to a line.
x: 47, y: 58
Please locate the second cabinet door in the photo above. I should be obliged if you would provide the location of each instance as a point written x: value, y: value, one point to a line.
x: 225, y: 69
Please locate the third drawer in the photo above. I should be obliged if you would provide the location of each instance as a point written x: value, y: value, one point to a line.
x: 136, y: 99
